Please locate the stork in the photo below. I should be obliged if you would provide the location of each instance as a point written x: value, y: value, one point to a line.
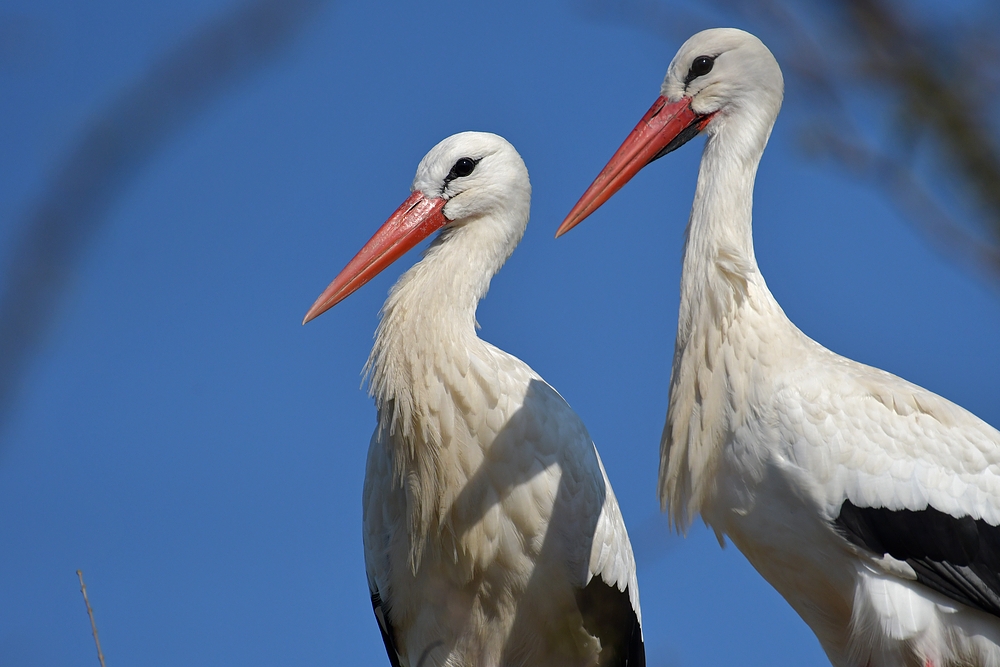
x: 872, y: 505
x: 492, y: 537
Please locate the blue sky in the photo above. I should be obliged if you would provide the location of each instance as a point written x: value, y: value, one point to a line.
x: 199, y: 454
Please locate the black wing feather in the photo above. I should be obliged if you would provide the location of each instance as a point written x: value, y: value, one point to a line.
x: 959, y: 557
x: 385, y: 627
x: 608, y: 615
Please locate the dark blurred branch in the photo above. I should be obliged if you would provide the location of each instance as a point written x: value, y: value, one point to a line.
x: 911, y: 197
x: 935, y: 95
x: 936, y: 84
x: 110, y: 153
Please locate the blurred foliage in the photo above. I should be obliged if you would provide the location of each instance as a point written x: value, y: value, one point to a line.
x: 111, y: 150
x: 899, y: 94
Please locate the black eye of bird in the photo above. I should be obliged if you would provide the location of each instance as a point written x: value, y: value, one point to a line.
x: 701, y: 66
x: 463, y: 167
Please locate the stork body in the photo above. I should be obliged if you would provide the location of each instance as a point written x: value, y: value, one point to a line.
x: 492, y: 536
x: 869, y: 503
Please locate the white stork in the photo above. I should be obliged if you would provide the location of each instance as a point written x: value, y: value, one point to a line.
x: 870, y: 504
x: 492, y: 536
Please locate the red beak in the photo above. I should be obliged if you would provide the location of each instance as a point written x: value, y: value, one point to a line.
x: 416, y: 219
x: 665, y: 127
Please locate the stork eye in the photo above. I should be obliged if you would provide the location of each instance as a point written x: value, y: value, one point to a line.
x: 701, y: 66
x: 463, y: 167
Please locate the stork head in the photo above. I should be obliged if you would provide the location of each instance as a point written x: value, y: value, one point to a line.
x: 470, y: 181
x: 722, y: 81
x: 475, y: 175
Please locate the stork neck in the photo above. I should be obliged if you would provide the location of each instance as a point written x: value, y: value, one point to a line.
x: 440, y: 293
x: 429, y: 320
x: 721, y: 288
x: 722, y: 212
x: 719, y: 260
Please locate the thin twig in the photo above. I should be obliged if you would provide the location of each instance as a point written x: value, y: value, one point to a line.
x: 90, y: 613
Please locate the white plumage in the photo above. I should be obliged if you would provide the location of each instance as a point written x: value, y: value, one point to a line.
x: 869, y: 503
x: 492, y: 536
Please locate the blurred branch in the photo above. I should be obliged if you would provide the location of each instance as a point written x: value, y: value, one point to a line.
x: 109, y: 154
x: 912, y: 198
x: 938, y: 99
x: 935, y: 84
x: 653, y: 539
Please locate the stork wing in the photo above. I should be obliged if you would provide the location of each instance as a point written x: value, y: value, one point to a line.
x: 386, y: 628
x: 376, y: 563
x: 608, y: 597
x: 957, y: 557
x: 610, y: 601
x: 608, y: 614
x: 904, y: 473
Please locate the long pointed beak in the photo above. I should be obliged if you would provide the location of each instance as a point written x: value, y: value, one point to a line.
x: 416, y: 219
x: 665, y: 127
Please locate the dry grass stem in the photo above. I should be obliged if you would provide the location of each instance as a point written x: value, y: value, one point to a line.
x: 90, y: 613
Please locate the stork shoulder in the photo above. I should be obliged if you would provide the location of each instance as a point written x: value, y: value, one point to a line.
x: 869, y: 436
